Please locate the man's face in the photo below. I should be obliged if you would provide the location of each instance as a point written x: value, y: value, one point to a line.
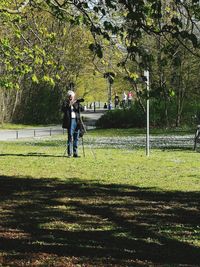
x: 70, y: 97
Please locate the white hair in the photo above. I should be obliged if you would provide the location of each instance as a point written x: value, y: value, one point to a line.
x: 70, y: 93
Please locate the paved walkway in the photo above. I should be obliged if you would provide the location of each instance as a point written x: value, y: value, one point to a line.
x: 90, y: 117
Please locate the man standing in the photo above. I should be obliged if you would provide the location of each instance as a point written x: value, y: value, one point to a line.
x: 72, y: 122
x: 124, y: 99
x: 116, y: 100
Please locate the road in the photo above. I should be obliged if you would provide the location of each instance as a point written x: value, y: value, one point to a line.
x: 90, y: 116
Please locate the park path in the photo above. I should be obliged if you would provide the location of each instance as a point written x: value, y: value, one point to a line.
x: 158, y: 141
x: 5, y: 135
x: 128, y: 142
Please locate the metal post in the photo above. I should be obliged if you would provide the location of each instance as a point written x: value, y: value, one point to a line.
x: 109, y: 94
x: 50, y: 131
x: 146, y: 74
x: 17, y: 134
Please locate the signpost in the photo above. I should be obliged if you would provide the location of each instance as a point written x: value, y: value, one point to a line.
x: 109, y: 93
x: 146, y: 74
x: 110, y: 79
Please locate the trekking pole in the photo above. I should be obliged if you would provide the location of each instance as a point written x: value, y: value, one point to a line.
x: 65, y: 152
x: 83, y: 147
x: 82, y: 139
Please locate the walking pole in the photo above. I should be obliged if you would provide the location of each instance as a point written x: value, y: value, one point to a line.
x: 65, y: 152
x: 82, y: 139
x: 83, y: 147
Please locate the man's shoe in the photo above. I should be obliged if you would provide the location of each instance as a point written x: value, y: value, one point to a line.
x: 76, y: 156
x: 69, y: 156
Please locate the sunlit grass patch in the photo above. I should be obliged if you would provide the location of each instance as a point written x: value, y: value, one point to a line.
x: 190, y: 235
x: 18, y: 126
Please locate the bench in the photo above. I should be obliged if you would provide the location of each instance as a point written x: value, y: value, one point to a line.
x: 197, y: 137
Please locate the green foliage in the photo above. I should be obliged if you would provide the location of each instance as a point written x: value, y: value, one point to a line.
x: 42, y: 55
x: 41, y: 107
x: 123, y: 118
x: 49, y: 46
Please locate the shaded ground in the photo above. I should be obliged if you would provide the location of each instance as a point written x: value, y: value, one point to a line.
x: 49, y: 222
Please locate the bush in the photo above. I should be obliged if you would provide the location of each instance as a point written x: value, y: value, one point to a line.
x: 123, y: 118
x: 40, y: 106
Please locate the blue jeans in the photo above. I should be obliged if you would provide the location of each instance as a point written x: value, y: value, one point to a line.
x: 73, y: 135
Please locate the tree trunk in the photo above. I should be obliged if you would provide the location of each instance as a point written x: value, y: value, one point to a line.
x: 180, y: 94
x: 161, y: 77
x: 180, y: 101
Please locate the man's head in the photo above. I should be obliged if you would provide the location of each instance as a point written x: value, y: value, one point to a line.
x: 70, y: 95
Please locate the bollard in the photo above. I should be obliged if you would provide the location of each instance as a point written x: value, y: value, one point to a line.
x: 50, y: 131
x: 17, y: 134
x: 34, y: 133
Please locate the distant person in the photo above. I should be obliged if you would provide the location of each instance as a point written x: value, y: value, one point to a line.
x: 72, y: 122
x: 91, y: 105
x: 116, y: 100
x: 124, y: 99
x: 130, y: 98
x: 105, y: 106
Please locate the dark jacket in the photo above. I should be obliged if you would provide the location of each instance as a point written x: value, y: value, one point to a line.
x: 66, y: 108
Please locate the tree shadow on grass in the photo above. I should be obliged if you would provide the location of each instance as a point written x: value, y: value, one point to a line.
x: 33, y: 154
x: 51, y: 222
x: 177, y: 148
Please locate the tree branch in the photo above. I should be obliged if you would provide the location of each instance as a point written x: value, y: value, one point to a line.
x: 15, y: 11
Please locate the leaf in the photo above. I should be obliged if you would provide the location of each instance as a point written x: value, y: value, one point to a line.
x: 17, y: 87
x: 46, y: 78
x: 38, y: 60
x: 134, y: 76
x: 58, y: 77
x: 34, y: 78
x: 51, y: 81
x: 171, y: 93
x: 18, y: 34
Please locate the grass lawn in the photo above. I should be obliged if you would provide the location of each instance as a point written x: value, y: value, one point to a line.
x: 115, y: 207
x: 142, y: 131
x: 17, y: 126
x: 109, y: 132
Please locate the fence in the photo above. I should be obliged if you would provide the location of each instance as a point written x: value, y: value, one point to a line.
x: 28, y: 133
x: 34, y: 133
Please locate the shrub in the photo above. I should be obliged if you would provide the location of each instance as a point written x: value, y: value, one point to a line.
x: 123, y: 118
x: 40, y: 106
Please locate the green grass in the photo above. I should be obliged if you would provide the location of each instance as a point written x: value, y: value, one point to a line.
x: 141, y: 131
x: 16, y: 126
x: 112, y: 208
x: 111, y: 132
